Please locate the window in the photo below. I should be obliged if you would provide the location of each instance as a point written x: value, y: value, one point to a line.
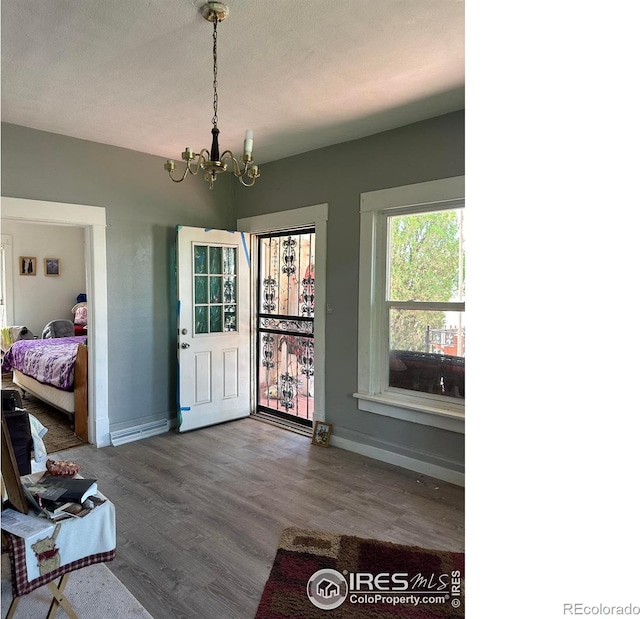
x: 425, y: 301
x: 411, y: 338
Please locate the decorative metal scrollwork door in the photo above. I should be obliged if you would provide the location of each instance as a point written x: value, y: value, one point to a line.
x: 286, y: 266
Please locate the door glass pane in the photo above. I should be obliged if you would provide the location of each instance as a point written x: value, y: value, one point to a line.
x: 201, y: 319
x: 200, y: 289
x: 199, y: 259
x: 215, y: 260
x: 229, y: 260
x: 216, y: 318
x: 215, y: 290
x: 287, y: 274
x: 229, y: 318
x: 229, y: 289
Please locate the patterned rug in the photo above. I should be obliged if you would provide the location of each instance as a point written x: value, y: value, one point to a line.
x: 60, y: 434
x: 93, y: 591
x: 355, y: 578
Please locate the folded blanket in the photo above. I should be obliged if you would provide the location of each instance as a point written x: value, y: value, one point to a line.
x: 9, y: 335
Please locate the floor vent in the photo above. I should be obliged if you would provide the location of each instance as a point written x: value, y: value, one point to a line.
x: 136, y: 433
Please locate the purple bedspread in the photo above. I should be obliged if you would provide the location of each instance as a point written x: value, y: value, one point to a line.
x: 49, y: 361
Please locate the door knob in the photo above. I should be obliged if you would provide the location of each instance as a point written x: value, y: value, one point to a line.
x: 184, y: 331
x: 184, y: 345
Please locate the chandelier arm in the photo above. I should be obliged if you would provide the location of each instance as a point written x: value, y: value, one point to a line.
x: 201, y: 158
x: 203, y: 155
x: 234, y: 162
x: 179, y: 180
x: 190, y: 168
x: 251, y: 184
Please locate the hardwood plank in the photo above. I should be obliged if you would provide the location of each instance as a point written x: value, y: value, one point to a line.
x: 199, y: 514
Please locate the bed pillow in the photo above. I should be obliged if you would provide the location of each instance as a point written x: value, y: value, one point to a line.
x: 80, y: 316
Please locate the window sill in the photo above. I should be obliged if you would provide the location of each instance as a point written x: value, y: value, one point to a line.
x: 428, y: 414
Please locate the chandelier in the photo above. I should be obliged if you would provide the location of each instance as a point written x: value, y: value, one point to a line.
x: 211, y: 162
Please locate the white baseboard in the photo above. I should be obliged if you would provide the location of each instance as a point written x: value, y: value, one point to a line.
x: 139, y: 432
x: 419, y: 466
x: 102, y: 437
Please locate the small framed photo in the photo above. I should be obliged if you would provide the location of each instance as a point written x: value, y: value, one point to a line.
x: 28, y: 265
x: 52, y: 266
x: 321, y: 433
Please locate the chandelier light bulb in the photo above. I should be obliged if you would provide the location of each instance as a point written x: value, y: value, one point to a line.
x: 248, y: 143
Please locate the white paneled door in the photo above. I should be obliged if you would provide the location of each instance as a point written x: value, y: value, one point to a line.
x: 213, y: 327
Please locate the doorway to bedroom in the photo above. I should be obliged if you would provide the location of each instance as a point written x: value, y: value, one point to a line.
x: 33, y: 302
x: 91, y: 220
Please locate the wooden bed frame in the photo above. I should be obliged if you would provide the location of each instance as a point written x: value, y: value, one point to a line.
x: 79, y: 408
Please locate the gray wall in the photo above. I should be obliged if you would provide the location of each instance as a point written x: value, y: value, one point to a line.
x: 424, y: 151
x: 143, y: 208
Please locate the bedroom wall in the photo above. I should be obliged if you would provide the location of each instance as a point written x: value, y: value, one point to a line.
x: 142, y: 209
x: 38, y: 299
x: 424, y: 151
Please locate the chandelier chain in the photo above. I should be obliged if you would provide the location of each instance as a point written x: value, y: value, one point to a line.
x: 214, y: 120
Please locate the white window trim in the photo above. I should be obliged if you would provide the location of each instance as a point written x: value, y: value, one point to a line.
x: 374, y: 207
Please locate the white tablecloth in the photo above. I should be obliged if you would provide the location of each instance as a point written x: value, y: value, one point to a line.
x: 50, y: 546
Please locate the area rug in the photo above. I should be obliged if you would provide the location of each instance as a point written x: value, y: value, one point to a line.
x: 355, y: 578
x: 93, y: 591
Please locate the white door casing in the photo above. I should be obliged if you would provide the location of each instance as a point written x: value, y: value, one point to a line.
x: 93, y: 220
x: 7, y: 280
x: 316, y: 216
x: 213, y: 366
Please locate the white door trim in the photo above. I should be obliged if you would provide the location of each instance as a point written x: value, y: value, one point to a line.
x: 93, y: 220
x: 7, y: 246
x: 316, y: 216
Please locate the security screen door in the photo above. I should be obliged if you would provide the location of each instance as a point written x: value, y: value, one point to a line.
x: 213, y: 327
x: 285, y: 325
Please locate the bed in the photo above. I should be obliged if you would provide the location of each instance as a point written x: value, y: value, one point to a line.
x: 55, y: 371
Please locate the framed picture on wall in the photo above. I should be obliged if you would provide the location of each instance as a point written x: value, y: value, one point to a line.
x: 27, y: 265
x: 52, y: 266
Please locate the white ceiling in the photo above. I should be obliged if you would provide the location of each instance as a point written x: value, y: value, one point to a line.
x: 302, y: 74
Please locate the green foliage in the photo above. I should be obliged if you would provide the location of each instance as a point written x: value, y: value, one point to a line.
x: 424, y: 267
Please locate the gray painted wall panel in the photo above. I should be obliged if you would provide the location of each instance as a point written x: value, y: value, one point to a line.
x: 143, y: 208
x: 420, y: 152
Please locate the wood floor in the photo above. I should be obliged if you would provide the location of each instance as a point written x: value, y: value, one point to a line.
x: 199, y: 514
x: 60, y: 429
